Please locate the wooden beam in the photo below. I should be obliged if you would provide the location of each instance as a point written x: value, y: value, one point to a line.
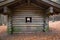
x: 16, y: 4
x: 19, y: 6
x: 50, y: 10
x: 5, y: 9
x: 2, y: 1
x: 28, y: 2
x: 6, y: 2
x: 40, y: 3
x: 37, y: 6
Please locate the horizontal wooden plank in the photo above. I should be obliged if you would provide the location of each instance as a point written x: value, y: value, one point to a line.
x: 33, y: 20
x: 27, y: 29
x: 19, y: 18
x: 31, y: 28
x: 28, y: 25
x: 27, y: 10
x: 25, y: 19
x: 28, y: 32
x: 27, y: 16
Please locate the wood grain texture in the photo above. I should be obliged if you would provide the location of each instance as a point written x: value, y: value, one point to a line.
x: 19, y: 18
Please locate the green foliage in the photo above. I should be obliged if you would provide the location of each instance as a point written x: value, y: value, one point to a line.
x: 9, y: 30
x: 14, y: 30
x: 46, y: 29
x: 17, y: 29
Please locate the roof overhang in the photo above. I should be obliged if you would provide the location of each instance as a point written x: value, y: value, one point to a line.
x: 41, y: 3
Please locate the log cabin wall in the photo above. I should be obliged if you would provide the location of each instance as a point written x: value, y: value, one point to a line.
x: 19, y: 18
x: 39, y: 18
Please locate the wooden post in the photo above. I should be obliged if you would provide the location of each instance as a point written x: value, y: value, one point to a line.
x: 0, y: 19
x: 7, y: 11
x: 46, y: 24
x: 10, y: 27
x: 46, y: 18
x: 53, y: 18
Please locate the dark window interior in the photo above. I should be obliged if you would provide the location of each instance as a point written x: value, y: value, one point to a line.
x: 28, y: 19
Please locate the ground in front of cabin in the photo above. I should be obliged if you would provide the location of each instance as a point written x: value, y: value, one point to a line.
x: 53, y: 34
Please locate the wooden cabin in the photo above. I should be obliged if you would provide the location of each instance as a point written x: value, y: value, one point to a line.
x: 22, y: 16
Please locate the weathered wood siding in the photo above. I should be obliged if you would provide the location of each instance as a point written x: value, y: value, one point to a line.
x: 19, y: 18
x: 20, y: 14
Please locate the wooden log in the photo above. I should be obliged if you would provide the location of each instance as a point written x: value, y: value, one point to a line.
x: 0, y: 20
x: 46, y: 24
x: 50, y: 10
